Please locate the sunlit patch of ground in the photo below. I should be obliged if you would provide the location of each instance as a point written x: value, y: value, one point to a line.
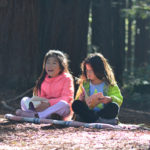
x: 28, y: 136
x: 34, y: 137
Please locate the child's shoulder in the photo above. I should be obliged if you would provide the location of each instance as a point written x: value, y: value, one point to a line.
x: 112, y: 87
x: 86, y: 83
x: 67, y: 75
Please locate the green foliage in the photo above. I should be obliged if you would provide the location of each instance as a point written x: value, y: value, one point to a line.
x: 136, y: 88
x: 137, y: 101
x: 139, y: 9
x: 141, y: 76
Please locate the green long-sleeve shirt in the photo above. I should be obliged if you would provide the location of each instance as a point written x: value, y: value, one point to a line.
x: 108, y: 90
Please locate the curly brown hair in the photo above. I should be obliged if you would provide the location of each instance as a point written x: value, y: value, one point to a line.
x: 100, y: 66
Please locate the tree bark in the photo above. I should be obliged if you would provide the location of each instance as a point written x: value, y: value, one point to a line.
x: 18, y: 43
x: 64, y: 26
x: 29, y: 28
x: 142, y: 43
x: 108, y: 33
x: 101, y: 27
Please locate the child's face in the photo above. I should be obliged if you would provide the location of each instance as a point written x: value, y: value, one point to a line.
x: 90, y: 73
x: 52, y: 67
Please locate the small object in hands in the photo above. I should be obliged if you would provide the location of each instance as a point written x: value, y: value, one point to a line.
x: 42, y: 106
x: 93, y: 103
x: 36, y: 103
x: 96, y: 99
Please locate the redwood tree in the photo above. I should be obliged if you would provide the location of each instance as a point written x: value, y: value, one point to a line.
x: 108, y: 32
x: 29, y: 28
x: 142, y: 42
x: 64, y: 26
x: 18, y: 43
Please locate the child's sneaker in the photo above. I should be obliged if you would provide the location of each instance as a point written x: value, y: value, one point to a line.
x: 108, y: 121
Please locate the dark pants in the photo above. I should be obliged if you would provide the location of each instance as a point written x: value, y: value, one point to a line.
x: 110, y: 111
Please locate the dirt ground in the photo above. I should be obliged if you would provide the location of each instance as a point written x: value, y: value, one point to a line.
x: 29, y: 136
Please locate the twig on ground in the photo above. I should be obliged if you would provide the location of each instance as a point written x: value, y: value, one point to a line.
x: 137, y: 111
x: 19, y: 96
x: 4, y: 103
x: 7, y: 106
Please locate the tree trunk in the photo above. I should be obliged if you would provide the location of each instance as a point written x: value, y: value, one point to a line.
x: 29, y: 28
x: 64, y: 26
x: 101, y: 27
x: 118, y: 39
x: 142, y: 44
x: 108, y: 33
x: 129, y: 56
x: 18, y: 43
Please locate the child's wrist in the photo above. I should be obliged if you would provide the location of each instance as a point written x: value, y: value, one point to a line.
x: 108, y: 98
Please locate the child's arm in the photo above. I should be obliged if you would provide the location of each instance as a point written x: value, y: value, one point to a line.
x: 115, y: 93
x: 80, y: 95
x: 39, y: 103
x: 98, y: 98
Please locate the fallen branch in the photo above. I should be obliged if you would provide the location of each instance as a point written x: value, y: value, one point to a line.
x: 61, y: 122
x: 137, y: 111
x: 7, y: 106
x: 20, y: 96
x: 4, y: 103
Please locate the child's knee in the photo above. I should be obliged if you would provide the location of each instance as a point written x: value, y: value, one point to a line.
x: 113, y: 106
x: 25, y: 103
x: 24, y: 99
x: 65, y: 107
x: 77, y: 104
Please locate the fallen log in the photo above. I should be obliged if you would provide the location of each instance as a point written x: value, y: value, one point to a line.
x: 61, y: 122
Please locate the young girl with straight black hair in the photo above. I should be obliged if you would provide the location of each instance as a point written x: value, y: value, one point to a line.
x: 53, y: 92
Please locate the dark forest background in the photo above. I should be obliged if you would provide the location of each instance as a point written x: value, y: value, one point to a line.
x: 119, y: 29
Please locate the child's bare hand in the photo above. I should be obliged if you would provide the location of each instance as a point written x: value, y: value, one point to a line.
x: 88, y: 100
x: 42, y: 106
x: 99, y: 95
x: 105, y: 99
x: 93, y: 100
x: 98, y: 98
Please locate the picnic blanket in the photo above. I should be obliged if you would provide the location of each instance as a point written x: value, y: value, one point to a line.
x: 69, y: 123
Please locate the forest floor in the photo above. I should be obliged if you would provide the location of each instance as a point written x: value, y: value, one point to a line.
x: 29, y: 136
